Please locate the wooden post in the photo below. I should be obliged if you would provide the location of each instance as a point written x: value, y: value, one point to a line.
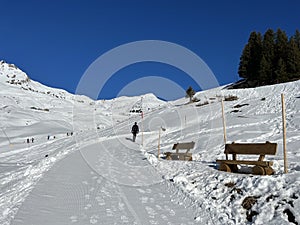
x: 142, y: 128
x: 224, y: 122
x: 158, y: 149
x: 142, y: 114
x: 224, y: 126
x: 284, y: 133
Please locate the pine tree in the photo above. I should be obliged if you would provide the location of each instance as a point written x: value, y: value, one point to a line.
x: 297, y: 42
x: 244, y: 62
x: 281, y: 44
x: 281, y: 72
x: 190, y: 93
x: 268, y: 55
x: 251, y: 56
x: 265, y: 71
x: 293, y: 59
x: 255, y: 55
x: 297, y: 38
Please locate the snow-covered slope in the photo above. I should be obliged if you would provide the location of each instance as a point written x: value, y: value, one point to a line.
x: 100, y: 156
x: 254, y: 117
x: 29, y: 108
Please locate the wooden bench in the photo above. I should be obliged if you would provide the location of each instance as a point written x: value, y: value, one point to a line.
x: 261, y: 167
x: 186, y: 156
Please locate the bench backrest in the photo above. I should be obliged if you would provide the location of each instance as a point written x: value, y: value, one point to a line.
x: 186, y: 145
x: 251, y: 148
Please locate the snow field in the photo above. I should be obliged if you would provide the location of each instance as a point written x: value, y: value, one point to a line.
x: 98, y: 176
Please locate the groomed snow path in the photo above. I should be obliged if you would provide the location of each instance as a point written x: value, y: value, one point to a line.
x: 110, y: 182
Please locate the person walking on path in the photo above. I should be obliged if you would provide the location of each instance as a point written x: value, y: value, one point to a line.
x: 134, y: 131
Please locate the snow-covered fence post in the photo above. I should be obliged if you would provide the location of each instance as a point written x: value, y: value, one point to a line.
x: 224, y: 125
x: 284, y: 133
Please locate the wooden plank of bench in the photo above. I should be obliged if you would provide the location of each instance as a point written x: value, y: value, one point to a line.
x: 183, y: 146
x: 251, y: 148
x: 181, y: 156
x: 246, y: 162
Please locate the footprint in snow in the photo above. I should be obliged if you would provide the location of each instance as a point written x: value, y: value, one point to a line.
x: 141, y: 191
x: 100, y: 201
x: 99, y: 181
x: 161, y: 195
x: 124, y: 219
x: 158, y: 207
x: 121, y: 206
x: 144, y: 199
x: 73, y: 219
x: 171, y: 211
x: 109, y: 212
x: 94, y: 219
x: 88, y: 206
x: 151, y: 212
x: 164, y: 217
x: 85, y: 182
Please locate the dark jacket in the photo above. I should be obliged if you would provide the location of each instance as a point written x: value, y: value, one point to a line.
x: 135, y: 129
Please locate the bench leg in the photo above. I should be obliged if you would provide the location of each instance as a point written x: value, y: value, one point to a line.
x: 234, y: 168
x: 269, y: 170
x: 258, y: 170
x: 225, y: 167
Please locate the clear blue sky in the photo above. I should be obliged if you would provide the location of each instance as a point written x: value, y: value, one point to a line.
x: 55, y: 41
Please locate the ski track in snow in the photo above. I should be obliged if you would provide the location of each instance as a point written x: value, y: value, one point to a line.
x: 106, y: 193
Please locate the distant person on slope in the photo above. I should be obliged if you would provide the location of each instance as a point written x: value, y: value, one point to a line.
x: 134, y: 131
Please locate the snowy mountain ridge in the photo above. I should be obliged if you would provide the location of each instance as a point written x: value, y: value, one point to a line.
x: 28, y: 102
x: 13, y: 74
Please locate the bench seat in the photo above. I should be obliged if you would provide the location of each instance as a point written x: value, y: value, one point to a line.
x: 246, y: 162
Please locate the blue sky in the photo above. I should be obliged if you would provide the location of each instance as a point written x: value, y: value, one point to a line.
x: 56, y: 41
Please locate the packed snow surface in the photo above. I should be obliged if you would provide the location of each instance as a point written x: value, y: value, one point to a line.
x: 66, y: 159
